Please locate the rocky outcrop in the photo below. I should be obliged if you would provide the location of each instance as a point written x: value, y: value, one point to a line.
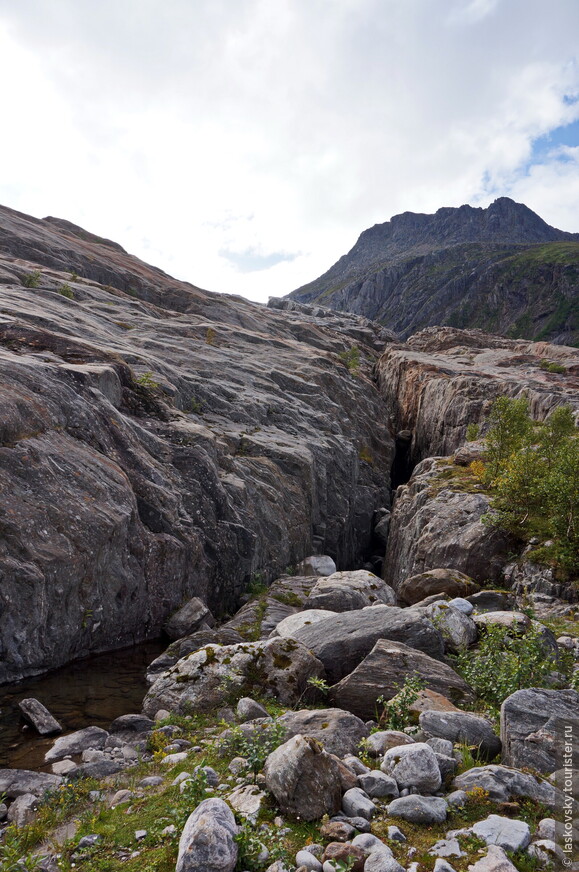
x: 159, y: 442
x: 533, y: 727
x: 443, y: 379
x: 436, y: 581
x: 435, y: 523
x: 501, y: 268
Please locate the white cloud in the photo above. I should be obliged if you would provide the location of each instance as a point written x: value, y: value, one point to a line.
x: 204, y: 135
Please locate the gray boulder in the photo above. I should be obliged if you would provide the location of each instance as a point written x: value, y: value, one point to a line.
x: 495, y: 860
x: 17, y: 782
x: 512, y: 835
x: 436, y: 581
x: 503, y: 784
x: 76, y: 743
x: 418, y: 809
x: 317, y: 564
x: 304, y: 779
x: 459, y: 631
x: 377, y: 784
x: 356, y: 803
x: 342, y: 642
x: 532, y: 727
x: 188, y: 645
x: 464, y: 728
x: 289, y: 625
x: 339, y: 731
x: 22, y: 810
x: 382, y: 673
x: 248, y: 709
x: 492, y: 601
x: 345, y: 591
x: 205, y: 679
x: 413, y: 766
x: 378, y: 743
x: 39, y: 717
x: 207, y: 842
x: 193, y: 615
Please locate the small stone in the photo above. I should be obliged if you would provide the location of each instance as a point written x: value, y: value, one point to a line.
x: 140, y: 835
x: 376, y: 784
x: 237, y: 765
x: 174, y: 759
x: 337, y: 831
x: 182, y: 776
x: 419, y: 809
x: 447, y: 848
x: 120, y: 797
x: 248, y: 710
x: 457, y: 798
x: 150, y: 781
x: 63, y: 767
x: 495, y: 860
x: 442, y: 866
x: 395, y: 834
x: 89, y: 841
x: 169, y: 830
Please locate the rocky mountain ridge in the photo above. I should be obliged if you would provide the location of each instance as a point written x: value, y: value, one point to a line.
x: 502, y: 269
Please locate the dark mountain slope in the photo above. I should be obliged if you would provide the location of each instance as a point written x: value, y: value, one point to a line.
x: 502, y: 269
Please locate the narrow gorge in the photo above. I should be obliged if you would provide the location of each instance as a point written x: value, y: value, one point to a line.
x: 291, y: 498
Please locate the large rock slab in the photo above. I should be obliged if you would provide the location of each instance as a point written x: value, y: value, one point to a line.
x: 345, y: 591
x: 382, y: 673
x: 167, y: 442
x: 188, y: 645
x: 39, y: 717
x: 511, y: 835
x: 207, y: 678
x: 343, y: 641
x: 459, y: 631
x: 304, y: 779
x: 436, y: 581
x: 463, y: 727
x: 533, y: 725
x: 504, y: 784
x: 419, y: 809
x: 339, y: 731
x: 76, y: 743
x: 207, y: 843
x: 18, y: 782
x: 192, y: 616
x: 292, y: 623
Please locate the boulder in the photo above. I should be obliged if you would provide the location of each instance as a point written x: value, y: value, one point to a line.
x: 345, y: 591
x: 76, y: 743
x: 459, y: 631
x: 317, y: 564
x: 418, y: 809
x: 344, y: 853
x: 39, y: 717
x: 413, y: 766
x: 339, y: 731
x: 379, y: 742
x: 357, y: 803
x: 289, y: 625
x: 247, y: 800
x: 495, y: 860
x: 382, y: 673
x: 429, y: 700
x: 492, y: 601
x: 193, y: 615
x: 342, y: 642
x: 206, y: 679
x: 248, y: 709
x: 207, y: 843
x: 516, y: 621
x: 378, y: 784
x: 22, y: 810
x: 511, y: 835
x: 464, y: 728
x: 188, y: 645
x: 132, y: 724
x: 17, y: 782
x: 436, y: 581
x: 533, y: 721
x: 504, y: 784
x: 304, y: 779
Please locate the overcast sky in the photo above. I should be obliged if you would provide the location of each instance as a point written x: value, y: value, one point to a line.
x: 244, y: 145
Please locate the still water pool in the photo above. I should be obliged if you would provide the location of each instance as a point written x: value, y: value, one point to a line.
x: 89, y: 692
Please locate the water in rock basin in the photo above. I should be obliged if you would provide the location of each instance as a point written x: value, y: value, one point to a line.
x: 89, y: 692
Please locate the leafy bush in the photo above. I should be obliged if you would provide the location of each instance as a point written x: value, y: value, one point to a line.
x: 32, y: 280
x: 472, y: 432
x: 396, y: 714
x: 532, y: 470
x: 351, y: 358
x: 505, y: 661
x: 146, y: 380
x: 551, y: 366
x: 65, y: 290
x: 255, y: 746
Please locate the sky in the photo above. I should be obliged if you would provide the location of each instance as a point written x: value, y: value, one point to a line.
x: 243, y: 145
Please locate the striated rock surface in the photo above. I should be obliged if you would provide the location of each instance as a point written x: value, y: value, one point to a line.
x: 304, y: 779
x: 435, y: 524
x: 159, y: 442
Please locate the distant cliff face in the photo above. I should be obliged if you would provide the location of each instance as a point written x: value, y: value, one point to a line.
x: 500, y: 269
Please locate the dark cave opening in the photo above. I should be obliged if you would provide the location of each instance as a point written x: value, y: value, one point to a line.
x: 402, y: 465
